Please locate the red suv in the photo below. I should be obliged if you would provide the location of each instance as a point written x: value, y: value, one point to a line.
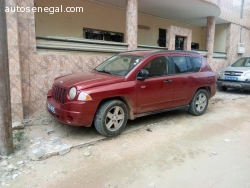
x: 130, y: 85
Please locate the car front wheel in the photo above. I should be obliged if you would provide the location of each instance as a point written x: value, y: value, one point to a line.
x: 199, y: 103
x: 111, y: 118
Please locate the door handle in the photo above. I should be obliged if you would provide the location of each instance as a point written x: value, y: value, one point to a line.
x: 168, y: 81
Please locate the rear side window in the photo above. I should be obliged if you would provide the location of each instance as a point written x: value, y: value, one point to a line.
x: 182, y: 64
x: 197, y: 63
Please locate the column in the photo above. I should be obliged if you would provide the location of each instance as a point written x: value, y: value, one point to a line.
x: 14, y: 62
x: 6, y: 140
x: 132, y: 24
x: 170, y: 38
x: 233, y: 37
x: 27, y: 49
x: 210, y: 38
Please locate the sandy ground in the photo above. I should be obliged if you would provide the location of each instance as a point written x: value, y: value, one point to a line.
x: 180, y: 151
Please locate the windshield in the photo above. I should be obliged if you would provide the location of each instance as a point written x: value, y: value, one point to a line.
x: 119, y: 65
x: 243, y: 62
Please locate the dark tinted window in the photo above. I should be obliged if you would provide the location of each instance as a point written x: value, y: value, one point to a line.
x: 158, y: 67
x: 197, y: 63
x: 182, y: 64
x: 189, y: 64
x: 162, y: 37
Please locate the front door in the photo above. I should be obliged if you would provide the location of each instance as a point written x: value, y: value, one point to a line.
x: 155, y: 92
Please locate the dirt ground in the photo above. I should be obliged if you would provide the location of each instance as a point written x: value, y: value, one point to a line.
x: 173, y: 149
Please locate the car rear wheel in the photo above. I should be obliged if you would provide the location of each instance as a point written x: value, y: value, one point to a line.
x: 199, y: 103
x: 111, y: 118
x: 222, y: 88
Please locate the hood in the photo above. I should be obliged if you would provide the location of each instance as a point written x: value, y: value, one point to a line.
x: 87, y: 80
x: 240, y: 69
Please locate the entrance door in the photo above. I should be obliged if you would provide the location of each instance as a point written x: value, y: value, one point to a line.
x: 179, y: 43
x: 162, y: 37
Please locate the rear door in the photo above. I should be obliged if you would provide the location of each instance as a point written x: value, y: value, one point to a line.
x: 182, y: 79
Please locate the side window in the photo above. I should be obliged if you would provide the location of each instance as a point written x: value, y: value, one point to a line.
x: 158, y: 67
x: 189, y: 64
x: 197, y: 63
x: 182, y: 64
x: 247, y: 64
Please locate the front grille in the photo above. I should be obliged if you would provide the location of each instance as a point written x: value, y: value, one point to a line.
x: 58, y: 94
x: 233, y: 73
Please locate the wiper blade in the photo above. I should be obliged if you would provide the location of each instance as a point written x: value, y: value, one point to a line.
x: 103, y: 71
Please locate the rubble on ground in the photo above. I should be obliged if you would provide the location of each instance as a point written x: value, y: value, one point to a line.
x: 27, y: 152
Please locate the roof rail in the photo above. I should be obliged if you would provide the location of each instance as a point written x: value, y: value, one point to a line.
x: 136, y: 50
x: 156, y: 51
x: 159, y: 51
x: 187, y: 51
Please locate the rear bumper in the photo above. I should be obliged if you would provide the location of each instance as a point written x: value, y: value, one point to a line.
x: 233, y: 84
x: 73, y: 113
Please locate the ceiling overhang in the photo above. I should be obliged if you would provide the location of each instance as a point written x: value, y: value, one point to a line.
x: 194, y: 12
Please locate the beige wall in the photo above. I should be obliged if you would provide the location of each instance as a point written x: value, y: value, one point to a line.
x: 220, y: 38
x: 96, y: 16
x: 150, y: 37
x: 104, y: 17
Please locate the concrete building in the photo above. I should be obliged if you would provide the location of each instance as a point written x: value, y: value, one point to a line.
x: 45, y: 44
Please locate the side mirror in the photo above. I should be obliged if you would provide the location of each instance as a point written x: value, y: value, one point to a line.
x: 142, y: 75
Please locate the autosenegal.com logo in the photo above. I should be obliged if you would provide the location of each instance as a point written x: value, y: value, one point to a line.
x: 50, y: 10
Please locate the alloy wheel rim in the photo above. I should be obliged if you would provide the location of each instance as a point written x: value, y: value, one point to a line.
x: 114, y: 118
x: 201, y: 102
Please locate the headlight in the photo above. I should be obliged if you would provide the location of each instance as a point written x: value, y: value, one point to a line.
x: 220, y: 72
x: 72, y: 93
x: 84, y: 97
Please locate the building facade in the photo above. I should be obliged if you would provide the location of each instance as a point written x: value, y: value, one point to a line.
x: 43, y: 45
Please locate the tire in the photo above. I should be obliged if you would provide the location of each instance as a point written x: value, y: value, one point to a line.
x: 222, y: 88
x: 199, y: 103
x: 111, y: 118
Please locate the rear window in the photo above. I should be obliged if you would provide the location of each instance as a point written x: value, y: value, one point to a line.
x: 197, y: 63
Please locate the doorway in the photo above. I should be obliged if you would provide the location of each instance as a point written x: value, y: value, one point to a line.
x: 179, y: 43
x: 162, y: 37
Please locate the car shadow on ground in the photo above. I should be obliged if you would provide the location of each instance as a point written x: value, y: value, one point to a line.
x: 88, y: 133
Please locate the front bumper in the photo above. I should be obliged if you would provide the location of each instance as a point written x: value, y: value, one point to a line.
x: 233, y: 84
x: 73, y: 113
